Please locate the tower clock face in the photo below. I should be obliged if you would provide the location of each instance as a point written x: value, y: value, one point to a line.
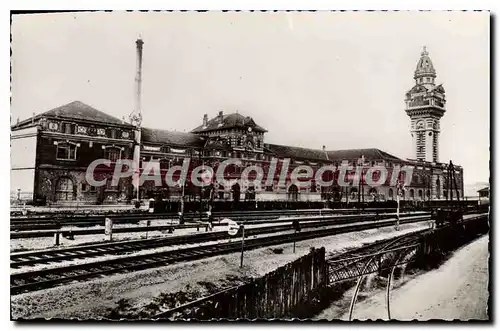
x: 420, y: 125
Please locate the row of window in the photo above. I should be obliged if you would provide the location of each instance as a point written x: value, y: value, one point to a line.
x: 69, y: 152
x: 427, y: 80
x: 72, y: 128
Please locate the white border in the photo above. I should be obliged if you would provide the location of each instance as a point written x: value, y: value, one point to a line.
x: 192, y: 5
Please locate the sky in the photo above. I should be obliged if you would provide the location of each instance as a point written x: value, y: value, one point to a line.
x: 311, y: 79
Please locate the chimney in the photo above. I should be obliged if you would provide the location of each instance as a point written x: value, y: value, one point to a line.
x: 324, y: 148
x: 220, y: 116
x: 33, y: 118
x: 17, y: 120
x: 205, y: 119
x: 136, y: 116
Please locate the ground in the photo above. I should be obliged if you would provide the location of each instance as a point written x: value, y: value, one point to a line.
x: 456, y: 290
x: 92, y: 299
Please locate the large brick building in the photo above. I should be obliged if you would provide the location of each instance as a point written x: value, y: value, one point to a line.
x: 51, y: 152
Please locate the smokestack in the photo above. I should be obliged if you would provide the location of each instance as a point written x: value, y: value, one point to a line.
x: 205, y: 120
x: 324, y: 147
x: 136, y: 116
x: 136, y: 119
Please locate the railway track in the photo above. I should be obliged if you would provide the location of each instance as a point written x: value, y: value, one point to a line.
x: 92, y: 220
x: 45, y: 278
x: 256, y: 220
x: 62, y: 254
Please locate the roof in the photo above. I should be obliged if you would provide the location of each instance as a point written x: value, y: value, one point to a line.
x: 368, y: 153
x: 340, y: 155
x: 166, y: 137
x: 296, y: 152
x: 424, y: 66
x: 229, y: 121
x: 76, y: 110
x: 486, y: 189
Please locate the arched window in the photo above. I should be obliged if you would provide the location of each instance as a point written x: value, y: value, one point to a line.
x: 420, y: 194
x: 235, y: 189
x: 391, y: 193
x: 445, y: 194
x: 64, y: 189
x: 373, y: 194
x: 293, y: 193
x: 412, y: 194
x: 428, y: 193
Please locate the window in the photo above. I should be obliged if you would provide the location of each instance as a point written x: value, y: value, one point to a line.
x: 84, y: 187
x: 66, y: 151
x: 269, y: 188
x: 313, y: 186
x: 64, y: 189
x: 113, y: 154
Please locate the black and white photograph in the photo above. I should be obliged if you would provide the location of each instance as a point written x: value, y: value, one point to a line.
x: 250, y: 165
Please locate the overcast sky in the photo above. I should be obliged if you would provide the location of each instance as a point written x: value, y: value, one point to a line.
x: 311, y: 79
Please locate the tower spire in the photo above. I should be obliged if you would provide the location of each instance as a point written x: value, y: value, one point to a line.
x: 425, y: 72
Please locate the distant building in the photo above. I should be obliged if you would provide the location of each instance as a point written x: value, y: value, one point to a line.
x: 484, y: 195
x: 51, y: 152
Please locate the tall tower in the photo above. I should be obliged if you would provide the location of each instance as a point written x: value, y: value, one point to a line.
x: 425, y: 105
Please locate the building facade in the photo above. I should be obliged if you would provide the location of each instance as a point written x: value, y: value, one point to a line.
x: 51, y: 153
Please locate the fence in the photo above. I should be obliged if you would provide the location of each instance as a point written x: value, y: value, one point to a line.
x: 436, y: 244
x: 288, y: 291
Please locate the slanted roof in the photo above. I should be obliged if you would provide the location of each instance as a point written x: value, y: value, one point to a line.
x: 75, y: 110
x: 484, y: 190
x: 229, y: 121
x: 158, y: 136
x: 296, y: 152
x: 368, y: 153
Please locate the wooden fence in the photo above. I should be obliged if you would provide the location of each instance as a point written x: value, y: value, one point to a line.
x: 282, y: 293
